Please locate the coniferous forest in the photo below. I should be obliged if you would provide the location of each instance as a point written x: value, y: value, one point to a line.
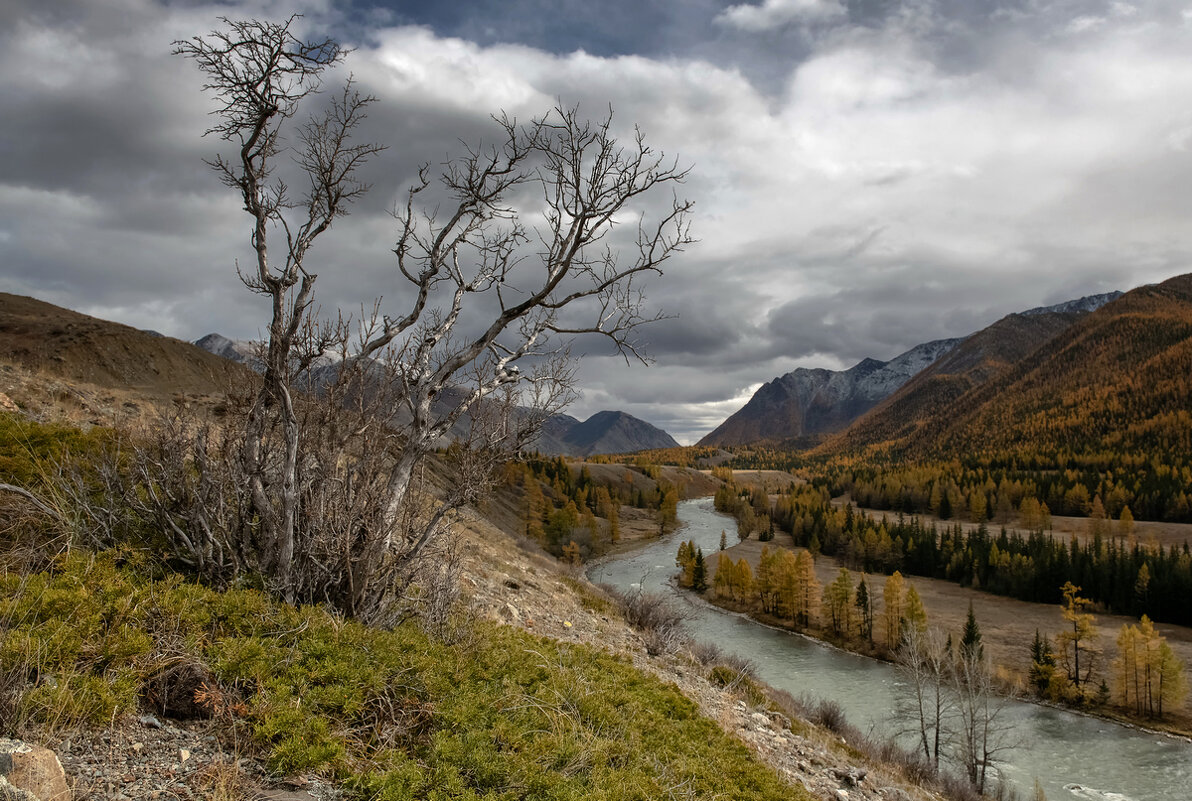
x: 1110, y: 566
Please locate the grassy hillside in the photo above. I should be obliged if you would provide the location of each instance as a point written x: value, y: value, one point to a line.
x: 42, y: 337
x: 496, y: 714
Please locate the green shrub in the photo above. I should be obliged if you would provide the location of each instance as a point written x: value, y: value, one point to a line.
x: 395, y: 715
x: 28, y: 449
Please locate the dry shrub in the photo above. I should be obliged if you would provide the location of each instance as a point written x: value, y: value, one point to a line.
x: 706, y: 653
x: 223, y: 780
x: 12, y: 690
x: 660, y: 623
x: 829, y: 715
x: 730, y: 671
x: 183, y: 689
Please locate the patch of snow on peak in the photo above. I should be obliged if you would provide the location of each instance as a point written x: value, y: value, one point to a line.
x: 905, y: 366
x: 1089, y: 303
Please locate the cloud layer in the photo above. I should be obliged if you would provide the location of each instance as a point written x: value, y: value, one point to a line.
x: 866, y: 177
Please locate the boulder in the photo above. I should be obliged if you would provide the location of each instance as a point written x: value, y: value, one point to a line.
x: 30, y: 773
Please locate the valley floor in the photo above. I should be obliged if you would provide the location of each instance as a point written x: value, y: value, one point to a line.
x: 1007, y: 625
x: 1146, y: 532
x: 511, y: 582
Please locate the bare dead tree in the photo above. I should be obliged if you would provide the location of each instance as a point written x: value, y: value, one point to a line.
x: 924, y: 660
x: 984, y: 730
x: 954, y: 705
x: 261, y: 72
x: 493, y: 305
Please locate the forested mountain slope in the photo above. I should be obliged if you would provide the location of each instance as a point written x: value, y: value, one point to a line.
x: 813, y: 402
x: 1117, y: 383
x: 981, y: 357
x: 1101, y: 409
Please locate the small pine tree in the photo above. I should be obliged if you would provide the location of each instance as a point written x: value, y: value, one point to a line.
x: 1042, y: 663
x: 699, y: 572
x: 1102, y: 698
x: 970, y: 642
x: 723, y: 539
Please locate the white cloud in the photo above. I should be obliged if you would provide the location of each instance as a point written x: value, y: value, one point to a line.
x: 779, y: 13
x: 883, y: 196
x: 1085, y: 23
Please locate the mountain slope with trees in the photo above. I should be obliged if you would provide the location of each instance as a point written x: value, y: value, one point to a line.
x: 1115, y: 385
x: 979, y: 358
x: 1094, y: 422
x: 808, y: 403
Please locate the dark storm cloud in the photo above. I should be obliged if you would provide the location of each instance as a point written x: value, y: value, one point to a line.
x: 655, y: 28
x: 867, y: 175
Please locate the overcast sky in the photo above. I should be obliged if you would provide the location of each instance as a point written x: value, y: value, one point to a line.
x: 867, y: 175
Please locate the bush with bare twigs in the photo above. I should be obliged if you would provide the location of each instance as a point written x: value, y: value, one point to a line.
x: 337, y: 510
x: 652, y: 614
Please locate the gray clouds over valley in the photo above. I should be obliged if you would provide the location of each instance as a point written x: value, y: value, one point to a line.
x: 867, y: 175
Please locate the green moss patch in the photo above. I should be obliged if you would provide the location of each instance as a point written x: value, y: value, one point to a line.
x: 392, y: 714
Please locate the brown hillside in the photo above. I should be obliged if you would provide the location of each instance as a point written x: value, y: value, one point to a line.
x: 42, y: 338
x: 1117, y: 381
x: 980, y: 358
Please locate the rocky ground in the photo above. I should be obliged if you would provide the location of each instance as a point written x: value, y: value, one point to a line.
x: 148, y: 757
x: 521, y: 588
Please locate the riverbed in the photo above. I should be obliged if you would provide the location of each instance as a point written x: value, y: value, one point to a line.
x: 1073, y: 756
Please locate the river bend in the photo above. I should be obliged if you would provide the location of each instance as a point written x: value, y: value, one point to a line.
x: 1073, y: 756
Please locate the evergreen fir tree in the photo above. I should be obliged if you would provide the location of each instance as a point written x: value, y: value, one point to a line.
x: 699, y: 574
x: 1042, y: 663
x: 970, y: 642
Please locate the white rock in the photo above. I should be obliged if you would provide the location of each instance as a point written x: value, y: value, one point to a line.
x: 32, y: 769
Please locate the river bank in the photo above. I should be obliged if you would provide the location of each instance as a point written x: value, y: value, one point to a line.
x: 1175, y: 728
x: 1069, y: 753
x: 1008, y: 627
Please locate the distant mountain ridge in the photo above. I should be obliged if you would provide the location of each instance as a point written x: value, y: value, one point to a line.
x: 231, y: 349
x: 874, y: 401
x: 562, y: 434
x: 812, y: 402
x: 615, y: 432
x: 1117, y: 379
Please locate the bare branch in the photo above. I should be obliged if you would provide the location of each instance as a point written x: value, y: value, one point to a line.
x: 31, y: 498
x: 332, y: 496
